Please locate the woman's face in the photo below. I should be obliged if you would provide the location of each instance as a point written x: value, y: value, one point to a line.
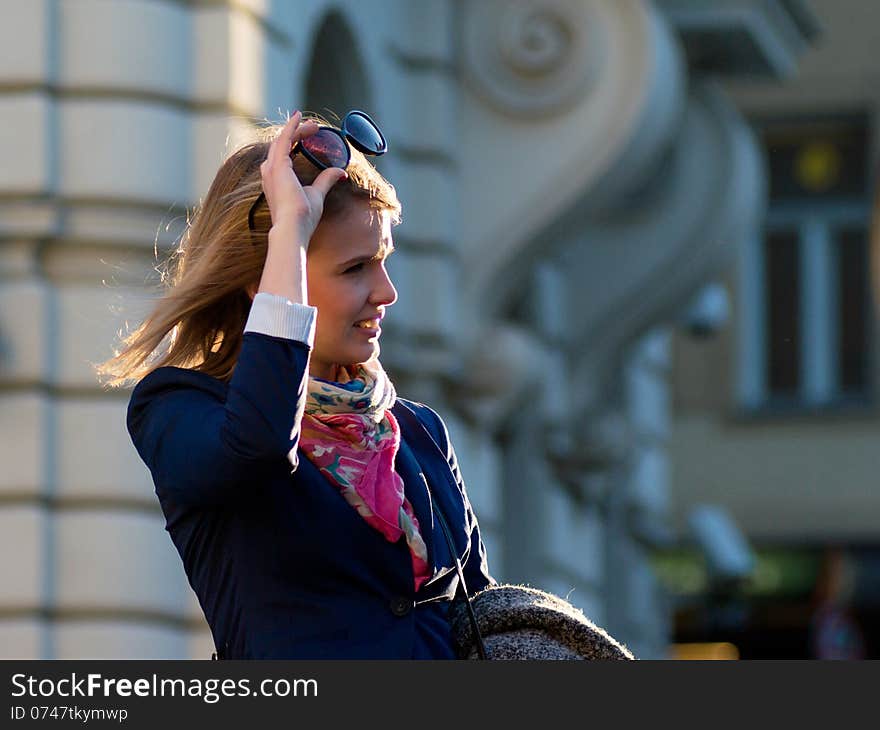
x: 349, y: 285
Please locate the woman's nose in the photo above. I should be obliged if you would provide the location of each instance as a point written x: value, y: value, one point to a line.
x: 384, y: 292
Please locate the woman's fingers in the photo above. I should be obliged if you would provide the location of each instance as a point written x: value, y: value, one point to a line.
x: 278, y: 155
x: 293, y: 131
x: 307, y: 129
x: 284, y: 192
x: 277, y: 169
x: 280, y: 146
x: 327, y: 179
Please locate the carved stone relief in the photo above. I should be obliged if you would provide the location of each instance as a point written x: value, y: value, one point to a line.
x: 532, y: 57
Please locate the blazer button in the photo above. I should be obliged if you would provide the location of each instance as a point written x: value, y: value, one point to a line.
x: 400, y: 605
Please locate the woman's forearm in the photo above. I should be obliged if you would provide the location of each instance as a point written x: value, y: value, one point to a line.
x: 284, y: 273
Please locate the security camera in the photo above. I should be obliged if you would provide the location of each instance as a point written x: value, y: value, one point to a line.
x: 729, y: 558
x: 708, y: 312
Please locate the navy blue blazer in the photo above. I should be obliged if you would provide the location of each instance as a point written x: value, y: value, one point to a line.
x: 283, y: 566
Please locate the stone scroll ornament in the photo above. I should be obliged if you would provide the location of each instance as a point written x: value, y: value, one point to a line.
x: 532, y: 57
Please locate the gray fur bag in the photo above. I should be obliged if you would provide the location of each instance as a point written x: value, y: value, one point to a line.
x: 520, y: 622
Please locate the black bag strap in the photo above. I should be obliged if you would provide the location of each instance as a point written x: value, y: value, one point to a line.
x: 417, y: 430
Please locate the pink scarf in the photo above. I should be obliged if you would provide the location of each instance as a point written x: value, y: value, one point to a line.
x: 350, y: 434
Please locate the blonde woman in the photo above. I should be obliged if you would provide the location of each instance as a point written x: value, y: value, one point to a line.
x: 307, y: 502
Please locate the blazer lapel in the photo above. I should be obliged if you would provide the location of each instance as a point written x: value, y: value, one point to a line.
x: 417, y: 493
x: 420, y: 473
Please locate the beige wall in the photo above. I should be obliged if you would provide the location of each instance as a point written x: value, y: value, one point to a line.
x: 792, y: 480
x: 809, y: 477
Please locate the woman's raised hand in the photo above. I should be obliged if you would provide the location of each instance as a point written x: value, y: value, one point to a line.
x: 293, y: 206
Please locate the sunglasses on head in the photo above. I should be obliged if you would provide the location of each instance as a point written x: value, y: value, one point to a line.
x: 329, y: 146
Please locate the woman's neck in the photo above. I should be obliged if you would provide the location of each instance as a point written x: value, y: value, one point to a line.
x: 332, y: 372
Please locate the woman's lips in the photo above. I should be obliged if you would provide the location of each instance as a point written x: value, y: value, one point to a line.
x: 369, y: 326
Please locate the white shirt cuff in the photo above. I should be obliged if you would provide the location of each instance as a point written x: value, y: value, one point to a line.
x: 278, y: 316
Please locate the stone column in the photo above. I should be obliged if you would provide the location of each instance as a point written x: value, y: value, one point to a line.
x: 115, y: 118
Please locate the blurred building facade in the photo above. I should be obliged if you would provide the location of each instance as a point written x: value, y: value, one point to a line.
x: 573, y: 175
x: 776, y: 417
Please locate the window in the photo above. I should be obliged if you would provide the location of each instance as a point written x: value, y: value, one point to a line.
x: 804, y: 284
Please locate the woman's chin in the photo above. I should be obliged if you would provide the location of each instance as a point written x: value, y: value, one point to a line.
x: 363, y: 353
x: 373, y: 353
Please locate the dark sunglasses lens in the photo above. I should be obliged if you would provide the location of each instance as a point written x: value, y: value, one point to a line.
x: 327, y: 147
x: 365, y: 133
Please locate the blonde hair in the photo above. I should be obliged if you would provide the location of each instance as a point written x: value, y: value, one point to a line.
x: 198, y: 322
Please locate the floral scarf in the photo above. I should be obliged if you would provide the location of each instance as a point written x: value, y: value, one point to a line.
x: 350, y: 434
